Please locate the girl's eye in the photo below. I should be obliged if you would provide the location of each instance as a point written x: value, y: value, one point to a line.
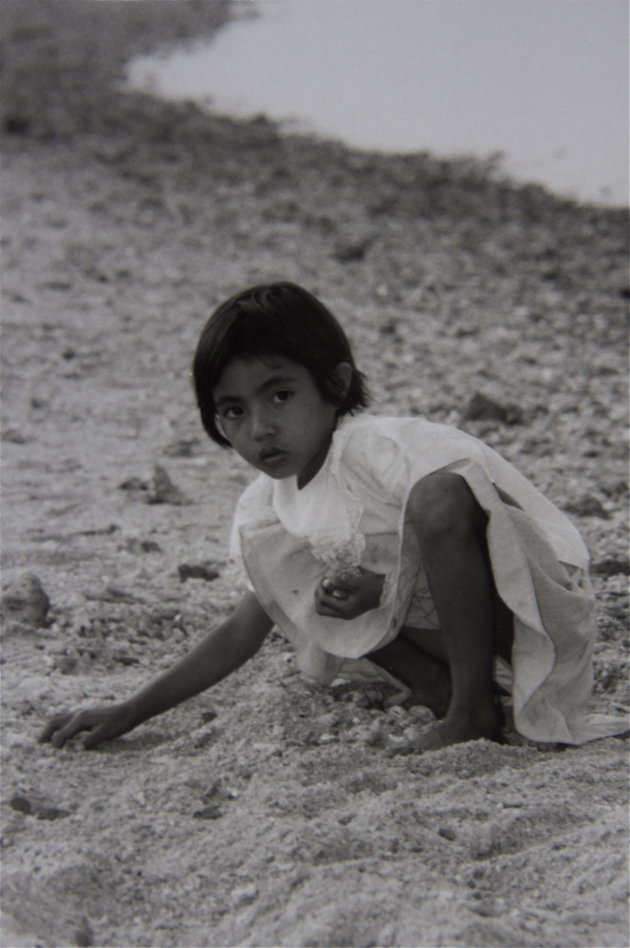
x: 282, y: 396
x: 229, y: 414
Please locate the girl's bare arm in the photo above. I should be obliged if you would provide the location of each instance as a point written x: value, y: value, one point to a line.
x: 224, y: 650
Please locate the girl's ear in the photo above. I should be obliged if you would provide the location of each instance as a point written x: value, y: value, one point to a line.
x: 342, y: 380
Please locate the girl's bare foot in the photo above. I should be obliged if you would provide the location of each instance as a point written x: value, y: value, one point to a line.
x: 458, y: 727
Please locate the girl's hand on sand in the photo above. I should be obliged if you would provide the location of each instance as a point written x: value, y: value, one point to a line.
x: 102, y: 724
x: 346, y: 595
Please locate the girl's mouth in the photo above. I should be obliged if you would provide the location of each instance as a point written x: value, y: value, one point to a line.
x: 272, y: 456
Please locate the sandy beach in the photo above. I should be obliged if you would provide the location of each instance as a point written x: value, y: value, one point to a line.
x: 268, y: 811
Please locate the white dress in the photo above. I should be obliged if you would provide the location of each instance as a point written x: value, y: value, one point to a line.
x: 353, y: 513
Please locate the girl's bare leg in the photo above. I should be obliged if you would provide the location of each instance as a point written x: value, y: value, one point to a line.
x: 427, y: 676
x: 450, y: 527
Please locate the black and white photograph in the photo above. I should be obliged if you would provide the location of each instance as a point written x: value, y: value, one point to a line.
x: 314, y: 473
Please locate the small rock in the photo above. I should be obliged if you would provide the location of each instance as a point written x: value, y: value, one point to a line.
x: 482, y: 408
x: 14, y: 435
x: 51, y: 813
x: 587, y: 506
x: 615, y: 487
x: 163, y: 490
x: 397, y: 713
x: 375, y: 736
x: 371, y: 697
x: 111, y: 593
x: 213, y: 791
x: 485, y: 843
x: 411, y: 733
x: 275, y: 750
x: 137, y: 546
x: 485, y: 907
x: 17, y: 124
x: 612, y: 567
x: 205, y: 571
x: 352, y: 249
x: 212, y: 812
x: 124, y: 658
x: 327, y: 721
x: 182, y: 448
x: 42, y: 811
x: 67, y: 664
x: 421, y: 715
x: 133, y: 485
x: 204, y: 737
x: 244, y: 895
x: 150, y: 546
x: 447, y: 832
x: 21, y: 805
x: 83, y: 935
x: 25, y: 600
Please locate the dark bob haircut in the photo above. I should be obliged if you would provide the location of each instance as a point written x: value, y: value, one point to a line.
x: 274, y: 319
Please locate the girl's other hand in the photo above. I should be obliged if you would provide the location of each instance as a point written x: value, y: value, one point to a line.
x: 102, y: 724
x: 346, y: 595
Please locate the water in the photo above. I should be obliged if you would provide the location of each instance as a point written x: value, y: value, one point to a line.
x: 544, y: 82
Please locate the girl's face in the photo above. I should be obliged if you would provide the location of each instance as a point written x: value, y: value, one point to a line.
x: 272, y: 413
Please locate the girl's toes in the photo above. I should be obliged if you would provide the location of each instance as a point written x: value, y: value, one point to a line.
x: 404, y: 749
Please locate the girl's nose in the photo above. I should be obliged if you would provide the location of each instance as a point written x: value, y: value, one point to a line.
x: 261, y: 426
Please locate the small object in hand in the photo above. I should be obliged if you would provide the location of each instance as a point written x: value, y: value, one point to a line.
x: 335, y: 593
x: 339, y: 594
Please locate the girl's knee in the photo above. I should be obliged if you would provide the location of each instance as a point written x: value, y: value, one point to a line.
x: 443, y: 506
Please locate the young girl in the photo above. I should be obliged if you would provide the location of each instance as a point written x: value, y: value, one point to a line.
x: 381, y: 547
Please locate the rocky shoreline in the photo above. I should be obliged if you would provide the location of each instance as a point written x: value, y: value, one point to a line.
x: 268, y: 812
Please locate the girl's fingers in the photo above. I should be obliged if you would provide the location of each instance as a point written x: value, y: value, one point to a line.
x: 102, y: 724
x: 55, y: 724
x: 330, y: 612
x: 332, y: 608
x: 326, y: 606
x: 64, y: 734
x: 77, y: 722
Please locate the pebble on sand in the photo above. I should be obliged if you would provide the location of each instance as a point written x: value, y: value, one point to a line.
x: 163, y: 490
x: 483, y: 408
x: 206, y: 571
x: 25, y: 601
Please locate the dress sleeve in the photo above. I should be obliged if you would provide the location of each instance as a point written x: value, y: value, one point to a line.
x: 378, y: 464
x: 385, y: 457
